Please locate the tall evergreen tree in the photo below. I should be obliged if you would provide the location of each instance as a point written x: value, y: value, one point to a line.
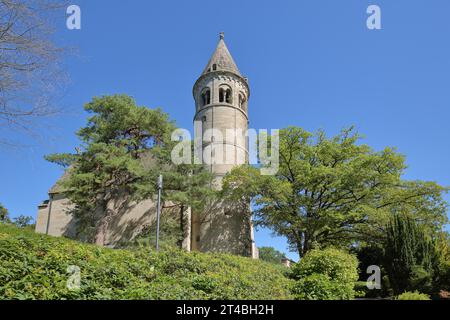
x: 124, y: 149
x: 411, y: 257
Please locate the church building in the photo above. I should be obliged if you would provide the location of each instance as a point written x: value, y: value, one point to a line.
x: 221, y: 96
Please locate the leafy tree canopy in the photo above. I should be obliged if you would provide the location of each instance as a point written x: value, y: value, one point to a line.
x: 4, y: 215
x: 334, y: 191
x: 270, y: 254
x: 23, y: 221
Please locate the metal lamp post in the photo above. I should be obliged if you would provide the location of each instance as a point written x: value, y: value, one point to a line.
x: 158, y: 213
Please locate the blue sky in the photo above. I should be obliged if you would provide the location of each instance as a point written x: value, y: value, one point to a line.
x: 310, y: 63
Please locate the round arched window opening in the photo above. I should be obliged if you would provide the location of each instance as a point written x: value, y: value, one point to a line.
x: 242, y: 101
x: 225, y: 95
x: 206, y: 97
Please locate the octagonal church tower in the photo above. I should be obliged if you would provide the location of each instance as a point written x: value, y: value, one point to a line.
x: 221, y: 96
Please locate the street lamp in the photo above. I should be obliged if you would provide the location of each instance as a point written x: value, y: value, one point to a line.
x: 158, y: 210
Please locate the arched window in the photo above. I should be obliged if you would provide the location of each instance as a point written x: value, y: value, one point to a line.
x: 225, y: 95
x: 241, y: 101
x: 214, y: 67
x: 206, y: 97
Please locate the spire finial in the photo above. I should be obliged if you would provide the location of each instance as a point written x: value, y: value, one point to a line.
x: 221, y: 35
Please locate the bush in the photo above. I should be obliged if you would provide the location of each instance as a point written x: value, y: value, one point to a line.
x: 445, y: 276
x: 35, y: 266
x: 319, y: 287
x: 325, y: 274
x: 338, y: 265
x: 442, y: 281
x: 413, y: 296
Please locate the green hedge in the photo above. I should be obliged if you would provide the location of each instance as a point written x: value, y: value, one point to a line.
x: 413, y: 296
x: 328, y: 274
x: 35, y: 266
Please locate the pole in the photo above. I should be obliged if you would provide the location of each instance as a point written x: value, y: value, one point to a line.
x: 158, y: 213
x: 49, y: 213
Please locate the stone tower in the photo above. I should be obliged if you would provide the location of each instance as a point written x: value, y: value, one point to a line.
x: 221, y: 96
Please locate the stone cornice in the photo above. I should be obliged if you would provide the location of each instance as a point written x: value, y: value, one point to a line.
x: 213, y: 105
x: 218, y: 73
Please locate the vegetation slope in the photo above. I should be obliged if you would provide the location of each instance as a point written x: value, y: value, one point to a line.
x: 34, y: 266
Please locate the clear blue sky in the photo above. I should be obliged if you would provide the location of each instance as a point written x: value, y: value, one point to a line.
x: 310, y: 63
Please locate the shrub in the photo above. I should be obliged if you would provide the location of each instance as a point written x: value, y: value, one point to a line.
x: 325, y: 274
x: 319, y: 287
x: 446, y: 276
x: 338, y: 265
x: 35, y: 266
x: 413, y: 296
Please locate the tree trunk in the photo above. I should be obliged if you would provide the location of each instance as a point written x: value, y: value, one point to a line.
x: 298, y: 242
x: 102, y: 226
x: 306, y: 244
x: 100, y: 234
x: 180, y: 243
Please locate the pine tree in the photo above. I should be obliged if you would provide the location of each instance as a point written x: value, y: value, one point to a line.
x: 125, y: 147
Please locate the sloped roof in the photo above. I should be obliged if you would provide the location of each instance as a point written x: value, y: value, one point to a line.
x: 222, y: 59
x: 57, y: 187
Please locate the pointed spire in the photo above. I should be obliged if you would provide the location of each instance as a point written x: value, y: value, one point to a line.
x: 221, y: 59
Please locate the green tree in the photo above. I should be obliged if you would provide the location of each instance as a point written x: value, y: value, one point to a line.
x: 270, y: 254
x: 411, y: 257
x: 4, y: 214
x: 23, y: 221
x: 334, y: 191
x: 124, y: 149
